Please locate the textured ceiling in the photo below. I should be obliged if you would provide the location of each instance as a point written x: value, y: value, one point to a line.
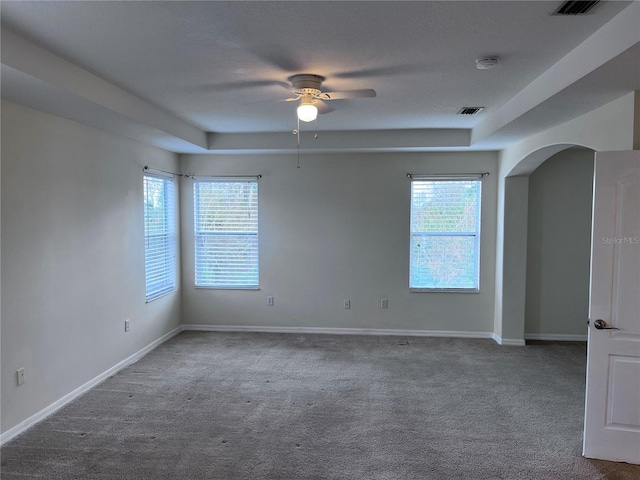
x: 220, y: 66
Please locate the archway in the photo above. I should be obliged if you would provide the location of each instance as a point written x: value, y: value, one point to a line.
x: 511, y: 257
x: 558, y: 246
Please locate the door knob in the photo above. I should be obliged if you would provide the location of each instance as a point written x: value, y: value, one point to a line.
x: 602, y: 325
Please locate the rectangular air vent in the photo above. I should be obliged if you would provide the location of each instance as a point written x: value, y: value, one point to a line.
x: 575, y: 8
x: 470, y: 110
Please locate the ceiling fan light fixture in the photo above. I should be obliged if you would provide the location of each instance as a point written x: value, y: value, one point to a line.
x: 307, y: 112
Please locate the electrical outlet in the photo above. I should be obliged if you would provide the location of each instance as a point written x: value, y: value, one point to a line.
x: 384, y: 303
x: 126, y: 325
x: 20, y: 375
x: 270, y: 300
x: 347, y: 303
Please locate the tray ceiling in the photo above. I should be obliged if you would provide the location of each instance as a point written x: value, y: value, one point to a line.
x: 204, y: 76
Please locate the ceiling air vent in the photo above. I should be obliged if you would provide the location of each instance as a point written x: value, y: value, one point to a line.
x: 575, y: 8
x: 470, y: 110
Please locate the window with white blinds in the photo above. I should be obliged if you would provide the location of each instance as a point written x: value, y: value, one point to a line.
x: 445, y: 234
x: 159, y: 235
x: 226, y: 233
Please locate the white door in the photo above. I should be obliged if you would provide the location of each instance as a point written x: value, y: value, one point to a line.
x: 612, y: 410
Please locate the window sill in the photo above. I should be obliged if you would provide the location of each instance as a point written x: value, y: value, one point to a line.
x: 201, y: 287
x: 444, y: 290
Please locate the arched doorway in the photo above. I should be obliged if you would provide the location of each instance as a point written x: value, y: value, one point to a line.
x: 512, y: 239
x: 558, y: 246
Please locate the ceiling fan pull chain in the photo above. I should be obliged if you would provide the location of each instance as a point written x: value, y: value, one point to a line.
x: 298, y: 130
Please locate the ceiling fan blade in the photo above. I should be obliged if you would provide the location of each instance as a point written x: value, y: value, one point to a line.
x: 323, y: 107
x: 279, y: 57
x: 272, y: 101
x: 366, y: 93
x: 242, y: 84
x: 383, y: 71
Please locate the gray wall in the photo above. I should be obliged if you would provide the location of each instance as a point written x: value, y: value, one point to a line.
x: 72, y: 257
x: 338, y: 228
x: 559, y: 243
x: 514, y: 244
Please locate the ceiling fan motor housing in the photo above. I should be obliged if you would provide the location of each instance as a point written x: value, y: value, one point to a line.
x: 307, y: 83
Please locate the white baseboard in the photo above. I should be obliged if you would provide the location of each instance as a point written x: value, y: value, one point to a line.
x: 508, y: 342
x: 335, y: 331
x: 555, y: 337
x: 58, y: 404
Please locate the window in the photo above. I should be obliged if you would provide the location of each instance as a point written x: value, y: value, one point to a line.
x: 226, y: 233
x: 445, y: 234
x: 159, y: 236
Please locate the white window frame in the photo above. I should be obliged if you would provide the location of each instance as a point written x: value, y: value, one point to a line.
x: 202, y: 280
x: 166, y: 263
x: 476, y: 234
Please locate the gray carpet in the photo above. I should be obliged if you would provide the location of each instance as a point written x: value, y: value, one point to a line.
x: 277, y: 406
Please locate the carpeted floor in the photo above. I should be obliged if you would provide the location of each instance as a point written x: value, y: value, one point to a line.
x: 280, y: 406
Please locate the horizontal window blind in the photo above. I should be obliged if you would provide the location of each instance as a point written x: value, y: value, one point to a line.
x: 159, y: 236
x: 445, y: 234
x: 226, y: 233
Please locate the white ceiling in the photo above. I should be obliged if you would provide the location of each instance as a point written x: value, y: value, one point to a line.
x: 196, y: 76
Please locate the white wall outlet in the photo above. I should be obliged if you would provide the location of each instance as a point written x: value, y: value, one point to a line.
x: 384, y: 303
x: 270, y: 300
x: 346, y: 303
x: 20, y: 375
x: 126, y: 325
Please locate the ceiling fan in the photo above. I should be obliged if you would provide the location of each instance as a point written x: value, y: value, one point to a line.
x: 307, y: 89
